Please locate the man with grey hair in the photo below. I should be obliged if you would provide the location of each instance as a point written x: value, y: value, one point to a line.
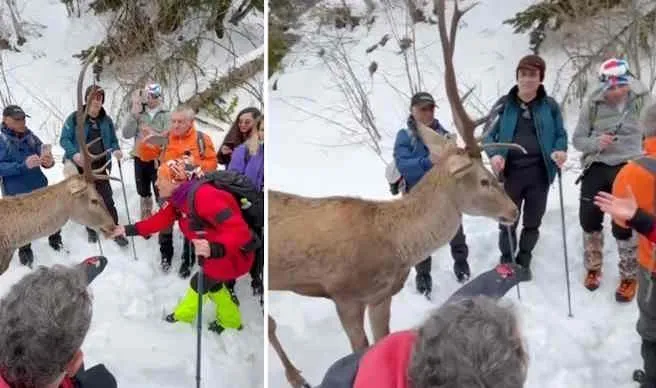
x: 44, y: 319
x: 469, y: 342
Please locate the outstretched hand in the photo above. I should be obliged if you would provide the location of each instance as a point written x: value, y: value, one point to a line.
x: 620, y: 208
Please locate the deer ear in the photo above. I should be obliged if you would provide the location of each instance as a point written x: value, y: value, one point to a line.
x: 435, y: 143
x: 77, y: 186
x: 70, y: 169
x: 459, y: 164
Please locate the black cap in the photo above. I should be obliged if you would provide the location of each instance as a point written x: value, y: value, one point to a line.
x: 422, y: 98
x: 14, y: 111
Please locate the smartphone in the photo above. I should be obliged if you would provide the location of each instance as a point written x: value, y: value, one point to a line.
x: 46, y: 149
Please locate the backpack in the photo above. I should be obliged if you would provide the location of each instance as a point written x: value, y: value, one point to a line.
x: 251, y: 201
x: 394, y: 178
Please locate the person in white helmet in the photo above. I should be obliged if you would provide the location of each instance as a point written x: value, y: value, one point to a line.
x: 148, y: 115
x: 608, y: 135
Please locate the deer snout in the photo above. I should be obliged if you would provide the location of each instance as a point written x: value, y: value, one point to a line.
x: 510, y: 216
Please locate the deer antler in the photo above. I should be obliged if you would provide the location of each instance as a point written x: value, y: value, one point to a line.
x: 464, y: 124
x: 89, y: 173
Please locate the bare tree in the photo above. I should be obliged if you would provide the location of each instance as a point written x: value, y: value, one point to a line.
x: 627, y: 30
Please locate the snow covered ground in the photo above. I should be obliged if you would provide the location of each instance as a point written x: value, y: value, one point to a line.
x: 128, y: 333
x: 598, y: 347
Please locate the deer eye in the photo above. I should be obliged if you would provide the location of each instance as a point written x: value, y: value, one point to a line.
x: 95, y: 201
x: 485, y: 182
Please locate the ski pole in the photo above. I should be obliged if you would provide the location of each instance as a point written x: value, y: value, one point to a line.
x: 512, y: 254
x: 199, y: 322
x: 510, y: 242
x: 127, y: 208
x: 562, y: 220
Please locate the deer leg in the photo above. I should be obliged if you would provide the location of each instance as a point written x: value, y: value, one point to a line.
x: 293, y: 375
x: 379, y: 318
x: 351, y: 314
x: 5, y: 259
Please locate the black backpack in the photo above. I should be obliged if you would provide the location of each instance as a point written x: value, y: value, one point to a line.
x: 251, y: 201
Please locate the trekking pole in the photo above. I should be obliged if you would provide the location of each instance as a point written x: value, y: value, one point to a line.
x: 562, y: 220
x: 127, y: 208
x: 100, y: 247
x: 512, y: 251
x: 510, y: 243
x: 199, y: 322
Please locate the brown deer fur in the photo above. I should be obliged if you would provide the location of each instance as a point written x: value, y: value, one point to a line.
x: 358, y: 252
x: 28, y: 217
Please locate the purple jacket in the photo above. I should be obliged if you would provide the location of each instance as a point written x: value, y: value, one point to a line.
x: 251, y: 166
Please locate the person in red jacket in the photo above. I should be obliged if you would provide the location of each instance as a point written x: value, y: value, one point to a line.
x: 470, y: 341
x: 627, y: 209
x: 223, y: 242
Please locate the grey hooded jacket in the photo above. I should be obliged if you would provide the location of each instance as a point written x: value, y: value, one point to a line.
x: 607, y: 120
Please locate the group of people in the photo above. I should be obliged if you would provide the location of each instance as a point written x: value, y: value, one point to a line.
x: 616, y: 135
x: 171, y: 161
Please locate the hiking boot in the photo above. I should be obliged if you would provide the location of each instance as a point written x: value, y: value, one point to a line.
x: 626, y: 290
x: 26, y: 256
x: 424, y: 283
x: 146, y: 207
x: 461, y: 270
x: 55, y: 242
x: 257, y: 286
x: 592, y: 280
x: 165, y: 263
x: 92, y: 236
x: 218, y: 329
x: 627, y: 251
x: 593, y: 247
x: 121, y: 241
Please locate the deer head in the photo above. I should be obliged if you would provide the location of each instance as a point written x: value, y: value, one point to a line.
x: 89, y: 208
x: 479, y: 190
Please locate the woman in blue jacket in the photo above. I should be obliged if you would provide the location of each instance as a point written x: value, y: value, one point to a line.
x: 533, y: 120
x: 97, y: 124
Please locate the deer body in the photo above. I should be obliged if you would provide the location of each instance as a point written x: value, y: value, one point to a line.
x: 356, y: 248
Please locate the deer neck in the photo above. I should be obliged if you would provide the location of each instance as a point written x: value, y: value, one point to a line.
x: 35, y: 215
x: 427, y: 217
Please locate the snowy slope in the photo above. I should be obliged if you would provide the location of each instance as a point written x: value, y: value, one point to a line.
x: 127, y: 333
x: 598, y: 347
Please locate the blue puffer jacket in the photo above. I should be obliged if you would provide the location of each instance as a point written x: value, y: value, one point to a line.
x: 411, y: 155
x: 548, y: 122
x: 14, y: 149
x: 107, y: 130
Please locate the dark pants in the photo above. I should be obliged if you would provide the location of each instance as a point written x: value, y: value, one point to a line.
x: 459, y: 251
x: 599, y: 177
x: 527, y: 186
x: 646, y: 325
x: 145, y: 175
x: 257, y: 269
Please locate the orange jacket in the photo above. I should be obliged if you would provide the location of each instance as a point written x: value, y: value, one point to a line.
x: 642, y: 184
x: 176, y: 147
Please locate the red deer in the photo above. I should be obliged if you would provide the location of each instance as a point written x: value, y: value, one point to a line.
x: 357, y: 252
x: 28, y: 217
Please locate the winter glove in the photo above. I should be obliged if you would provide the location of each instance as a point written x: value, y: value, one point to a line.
x: 217, y: 251
x: 96, y: 377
